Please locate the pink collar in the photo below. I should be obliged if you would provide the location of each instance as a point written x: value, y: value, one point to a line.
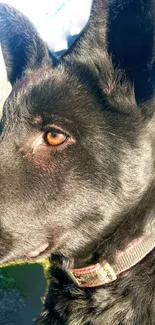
x: 102, y: 273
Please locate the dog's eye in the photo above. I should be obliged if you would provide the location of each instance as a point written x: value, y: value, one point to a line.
x: 55, y: 137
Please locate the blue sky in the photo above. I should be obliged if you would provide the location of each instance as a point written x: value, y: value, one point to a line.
x: 55, y: 19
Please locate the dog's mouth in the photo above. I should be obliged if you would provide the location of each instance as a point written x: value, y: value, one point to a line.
x: 42, y: 251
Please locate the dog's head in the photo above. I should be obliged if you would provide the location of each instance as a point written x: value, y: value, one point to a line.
x: 76, y: 150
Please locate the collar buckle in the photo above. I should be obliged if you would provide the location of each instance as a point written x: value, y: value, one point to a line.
x: 92, y: 276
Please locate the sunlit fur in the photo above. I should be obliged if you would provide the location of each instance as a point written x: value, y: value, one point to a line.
x: 95, y: 194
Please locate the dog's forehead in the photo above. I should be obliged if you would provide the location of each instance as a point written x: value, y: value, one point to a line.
x: 48, y: 90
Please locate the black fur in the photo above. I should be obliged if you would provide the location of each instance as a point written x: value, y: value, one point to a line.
x: 95, y: 193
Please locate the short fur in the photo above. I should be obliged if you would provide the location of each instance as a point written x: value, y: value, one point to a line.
x: 95, y: 193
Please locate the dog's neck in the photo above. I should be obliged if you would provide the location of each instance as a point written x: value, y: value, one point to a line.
x: 102, y: 272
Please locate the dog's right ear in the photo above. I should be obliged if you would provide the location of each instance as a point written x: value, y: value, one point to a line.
x: 21, y: 45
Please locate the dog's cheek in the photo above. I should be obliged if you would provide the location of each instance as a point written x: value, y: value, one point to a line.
x: 38, y: 153
x: 48, y: 158
x: 44, y: 159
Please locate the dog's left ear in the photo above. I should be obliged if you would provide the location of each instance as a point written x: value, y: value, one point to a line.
x: 21, y: 45
x: 124, y: 30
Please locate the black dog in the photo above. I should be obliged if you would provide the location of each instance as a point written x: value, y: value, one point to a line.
x: 77, y: 163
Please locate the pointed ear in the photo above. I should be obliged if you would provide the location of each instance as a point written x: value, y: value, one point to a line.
x: 124, y: 31
x: 22, y: 47
x: 93, y: 36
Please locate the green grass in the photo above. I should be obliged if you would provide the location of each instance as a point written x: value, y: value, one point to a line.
x: 6, y: 281
x: 22, y: 275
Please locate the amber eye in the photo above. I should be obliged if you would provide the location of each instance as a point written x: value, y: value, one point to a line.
x: 55, y: 138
